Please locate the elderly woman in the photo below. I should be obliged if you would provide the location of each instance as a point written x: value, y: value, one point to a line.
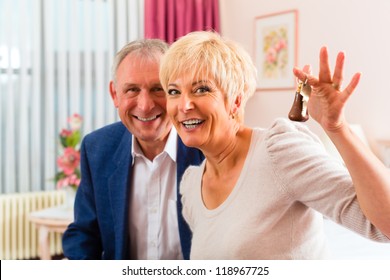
x: 262, y: 193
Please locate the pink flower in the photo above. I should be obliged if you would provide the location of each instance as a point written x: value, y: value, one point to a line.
x: 74, y: 180
x: 69, y: 161
x: 75, y: 121
x: 69, y: 181
x: 271, y: 55
x: 66, y: 132
x: 282, y: 44
x: 62, y: 183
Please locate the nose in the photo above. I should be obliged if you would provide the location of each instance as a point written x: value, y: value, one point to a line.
x: 145, y: 101
x: 186, y: 102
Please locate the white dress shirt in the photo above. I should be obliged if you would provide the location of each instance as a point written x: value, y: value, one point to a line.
x: 154, y: 231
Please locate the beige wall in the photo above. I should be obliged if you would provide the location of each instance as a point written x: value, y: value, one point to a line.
x: 360, y: 28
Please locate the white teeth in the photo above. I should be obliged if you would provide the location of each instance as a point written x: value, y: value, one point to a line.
x: 191, y: 123
x: 147, y: 119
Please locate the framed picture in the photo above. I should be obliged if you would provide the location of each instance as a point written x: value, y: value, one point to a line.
x: 276, y: 50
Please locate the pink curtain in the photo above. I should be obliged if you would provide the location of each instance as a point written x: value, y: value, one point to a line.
x: 171, y: 19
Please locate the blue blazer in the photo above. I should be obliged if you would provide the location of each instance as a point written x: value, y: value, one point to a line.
x: 101, y: 213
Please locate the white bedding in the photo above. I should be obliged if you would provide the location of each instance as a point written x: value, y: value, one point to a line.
x: 345, y: 244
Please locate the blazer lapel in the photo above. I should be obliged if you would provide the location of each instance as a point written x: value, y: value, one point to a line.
x: 118, y: 185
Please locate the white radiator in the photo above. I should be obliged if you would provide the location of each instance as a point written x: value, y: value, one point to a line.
x: 18, y: 236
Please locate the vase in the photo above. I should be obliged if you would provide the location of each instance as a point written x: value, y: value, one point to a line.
x: 70, y: 195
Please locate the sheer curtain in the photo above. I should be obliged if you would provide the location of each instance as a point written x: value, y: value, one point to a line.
x: 171, y: 19
x: 55, y: 60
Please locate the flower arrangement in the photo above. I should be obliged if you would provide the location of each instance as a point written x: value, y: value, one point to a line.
x: 68, y: 162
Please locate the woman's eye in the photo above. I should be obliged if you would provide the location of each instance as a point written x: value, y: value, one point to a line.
x: 203, y: 89
x: 173, y: 92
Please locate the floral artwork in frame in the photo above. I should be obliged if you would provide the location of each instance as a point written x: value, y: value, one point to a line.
x: 276, y: 50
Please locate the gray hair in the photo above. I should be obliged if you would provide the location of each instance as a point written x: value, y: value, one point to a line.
x: 148, y: 49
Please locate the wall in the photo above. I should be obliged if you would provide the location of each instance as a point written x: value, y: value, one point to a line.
x: 358, y: 28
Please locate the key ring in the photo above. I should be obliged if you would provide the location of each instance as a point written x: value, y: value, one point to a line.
x: 303, y: 88
x: 303, y: 84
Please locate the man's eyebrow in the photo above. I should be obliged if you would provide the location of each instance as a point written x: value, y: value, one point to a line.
x: 126, y: 85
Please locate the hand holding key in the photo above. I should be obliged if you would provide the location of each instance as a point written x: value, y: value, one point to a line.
x: 327, y: 101
x: 298, y: 111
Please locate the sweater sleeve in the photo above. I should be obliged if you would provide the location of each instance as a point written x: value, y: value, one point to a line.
x: 309, y: 175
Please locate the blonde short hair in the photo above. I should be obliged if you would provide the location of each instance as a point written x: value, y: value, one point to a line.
x: 205, y: 54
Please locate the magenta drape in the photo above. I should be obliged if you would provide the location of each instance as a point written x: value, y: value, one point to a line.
x: 171, y: 19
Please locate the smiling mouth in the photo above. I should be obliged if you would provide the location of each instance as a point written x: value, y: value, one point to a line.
x: 190, y: 124
x: 147, y: 119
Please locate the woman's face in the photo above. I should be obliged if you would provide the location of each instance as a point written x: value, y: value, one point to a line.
x: 199, y: 110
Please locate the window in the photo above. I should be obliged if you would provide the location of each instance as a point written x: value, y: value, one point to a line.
x: 55, y: 60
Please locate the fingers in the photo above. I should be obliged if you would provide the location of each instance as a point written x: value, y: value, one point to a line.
x: 326, y: 88
x: 307, y: 69
x: 338, y: 71
x: 305, y: 75
x: 351, y: 86
x: 300, y: 74
x: 325, y: 75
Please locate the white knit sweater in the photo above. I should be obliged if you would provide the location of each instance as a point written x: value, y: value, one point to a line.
x: 274, y: 211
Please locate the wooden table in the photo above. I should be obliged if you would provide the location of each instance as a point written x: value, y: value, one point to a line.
x: 55, y: 219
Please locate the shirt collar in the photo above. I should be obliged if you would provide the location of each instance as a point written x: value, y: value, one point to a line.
x: 170, y: 146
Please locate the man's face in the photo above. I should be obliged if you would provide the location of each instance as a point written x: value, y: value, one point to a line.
x: 140, y: 100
